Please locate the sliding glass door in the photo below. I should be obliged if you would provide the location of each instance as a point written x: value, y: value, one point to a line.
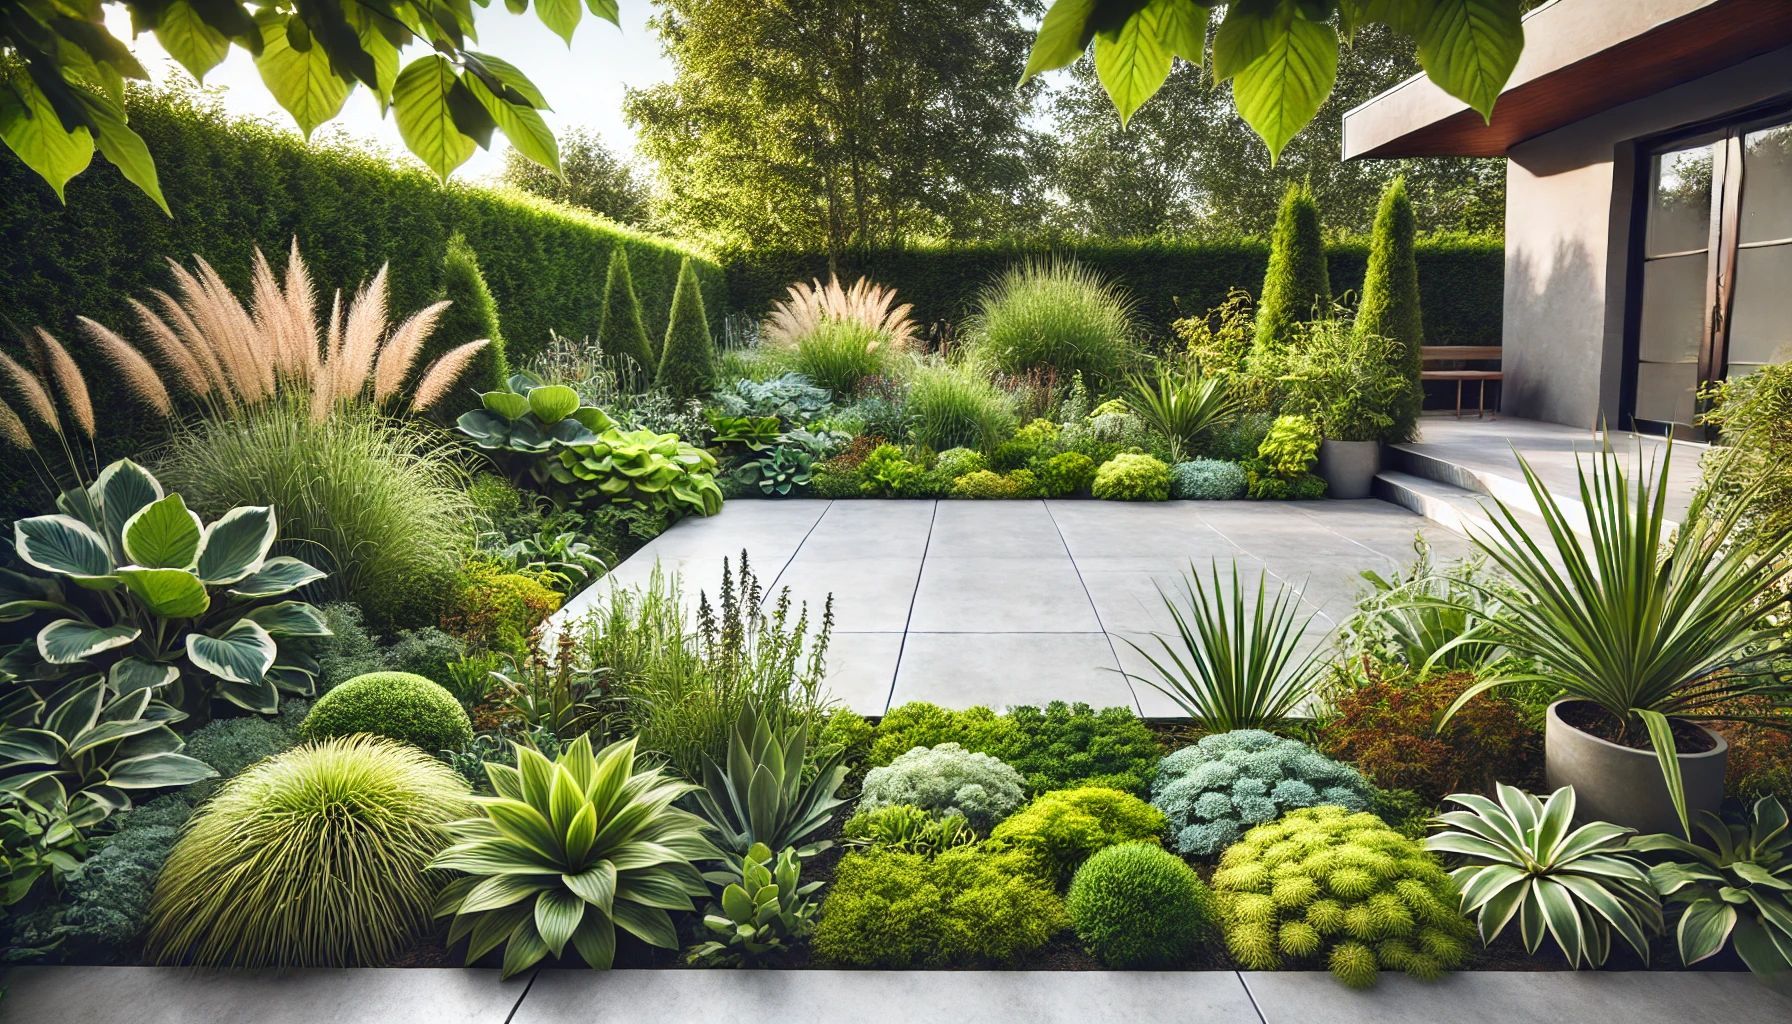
x: 1715, y: 282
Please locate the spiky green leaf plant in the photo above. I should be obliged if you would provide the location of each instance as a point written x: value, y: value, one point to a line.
x: 764, y: 794
x: 1737, y: 890
x: 1180, y: 404
x: 567, y: 852
x: 1521, y: 860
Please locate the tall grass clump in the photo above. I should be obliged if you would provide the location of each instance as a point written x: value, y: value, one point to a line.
x: 838, y: 335
x: 377, y: 503
x: 954, y: 406
x: 313, y: 858
x: 1056, y: 314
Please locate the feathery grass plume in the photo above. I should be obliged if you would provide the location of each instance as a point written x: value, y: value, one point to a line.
x: 31, y: 391
x: 69, y: 380
x: 13, y: 429
x: 810, y: 305
x: 135, y: 371
x: 442, y: 374
x: 400, y: 350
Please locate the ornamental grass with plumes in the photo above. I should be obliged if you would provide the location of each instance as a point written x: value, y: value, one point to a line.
x: 318, y: 857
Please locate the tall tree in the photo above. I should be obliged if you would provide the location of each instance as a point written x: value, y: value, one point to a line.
x: 591, y: 176
x: 840, y: 123
x: 1390, y: 305
x: 619, y: 326
x: 1297, y: 286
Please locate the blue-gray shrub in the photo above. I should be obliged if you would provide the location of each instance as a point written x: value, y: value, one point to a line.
x: 947, y: 780
x: 1207, y: 479
x: 1215, y: 790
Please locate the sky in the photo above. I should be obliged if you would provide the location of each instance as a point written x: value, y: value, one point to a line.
x: 584, y: 84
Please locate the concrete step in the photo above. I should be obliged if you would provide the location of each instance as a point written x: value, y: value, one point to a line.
x: 1452, y: 507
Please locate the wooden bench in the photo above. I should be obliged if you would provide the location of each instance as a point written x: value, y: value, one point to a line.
x: 1429, y: 354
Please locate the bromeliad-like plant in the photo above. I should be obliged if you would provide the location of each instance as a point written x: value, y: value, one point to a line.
x: 1239, y: 666
x: 642, y: 468
x: 761, y: 795
x: 1179, y: 404
x: 567, y: 852
x: 1737, y: 890
x: 763, y: 909
x: 140, y: 590
x: 1644, y: 620
x: 524, y: 424
x: 1522, y: 861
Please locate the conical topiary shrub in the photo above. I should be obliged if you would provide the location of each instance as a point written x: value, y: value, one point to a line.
x: 1297, y: 283
x: 688, y: 363
x: 619, y: 326
x: 473, y: 315
x: 1390, y: 306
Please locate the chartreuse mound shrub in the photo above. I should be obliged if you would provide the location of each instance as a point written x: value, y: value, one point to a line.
x: 317, y: 857
x: 1058, y: 831
x: 1139, y: 905
x: 965, y: 906
x: 1132, y: 476
x: 984, y: 483
x: 1225, y: 783
x: 946, y: 780
x: 920, y: 724
x: 1064, y: 474
x: 1324, y: 885
x: 397, y: 705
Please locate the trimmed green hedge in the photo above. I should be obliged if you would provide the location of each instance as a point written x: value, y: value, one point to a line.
x: 1461, y: 277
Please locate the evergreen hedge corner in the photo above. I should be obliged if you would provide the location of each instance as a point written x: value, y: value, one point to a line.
x: 1390, y: 304
x: 620, y: 329
x: 473, y: 315
x: 1297, y: 282
x: 688, y: 362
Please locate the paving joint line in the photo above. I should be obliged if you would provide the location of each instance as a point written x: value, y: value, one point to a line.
x: 933, y: 515
x: 1113, y: 652
x: 782, y: 569
x: 1252, y: 996
x: 524, y: 994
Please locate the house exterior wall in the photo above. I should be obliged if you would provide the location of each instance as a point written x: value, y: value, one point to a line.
x: 1568, y: 217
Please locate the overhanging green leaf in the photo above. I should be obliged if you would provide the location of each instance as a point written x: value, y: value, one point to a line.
x: 188, y: 38
x: 31, y: 129
x: 1280, y: 91
x: 425, y: 116
x: 302, y: 81
x: 1469, y: 48
x: 1063, y: 36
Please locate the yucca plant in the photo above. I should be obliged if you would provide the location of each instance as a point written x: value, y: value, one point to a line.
x: 1520, y: 859
x: 1180, y: 404
x: 1643, y: 620
x: 761, y: 796
x: 567, y: 852
x: 1237, y: 663
x: 1738, y: 890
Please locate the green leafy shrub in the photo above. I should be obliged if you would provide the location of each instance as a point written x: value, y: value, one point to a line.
x: 620, y: 328
x: 351, y: 650
x: 1056, y: 314
x: 688, y: 356
x: 790, y: 397
x: 1063, y: 745
x: 1753, y: 417
x: 1225, y: 783
x: 983, y: 483
x: 906, y: 828
x: 956, y: 462
x: 523, y: 424
x: 1137, y: 905
x: 888, y: 473
x: 397, y: 705
x: 920, y: 724
x: 1060, y: 830
x: 473, y: 316
x: 963, y: 907
x: 1350, y: 383
x: 1034, y: 440
x: 1132, y: 476
x: 1390, y: 303
x: 1064, y: 474
x: 946, y: 780
x: 846, y: 732
x: 1736, y: 890
x: 762, y: 910
x: 1297, y: 283
x: 498, y: 610
x: 1207, y: 480
x: 1283, y: 465
x: 375, y: 809
x: 952, y: 406
x: 641, y: 468
x: 231, y: 745
x: 1324, y: 884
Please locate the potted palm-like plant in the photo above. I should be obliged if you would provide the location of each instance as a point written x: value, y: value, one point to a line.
x: 1350, y: 384
x: 1647, y: 631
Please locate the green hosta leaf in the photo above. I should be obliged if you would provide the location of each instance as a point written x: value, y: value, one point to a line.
x: 560, y: 16
x: 261, y: 696
x: 525, y: 129
x: 425, y: 115
x: 163, y: 535
x: 289, y: 618
x: 508, y: 404
x: 1063, y: 36
x: 62, y: 544
x: 122, y: 490
x: 157, y: 771
x: 553, y: 403
x: 169, y: 593
x: 128, y: 675
x: 188, y: 38
x: 1704, y: 929
x: 1280, y: 91
x: 120, y: 144
x: 277, y: 575
x: 1469, y: 48
x: 233, y: 547
x: 31, y: 129
x: 302, y: 81
x: 70, y: 642
x: 243, y: 653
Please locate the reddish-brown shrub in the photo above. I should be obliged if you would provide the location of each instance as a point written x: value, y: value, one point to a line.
x: 1760, y: 755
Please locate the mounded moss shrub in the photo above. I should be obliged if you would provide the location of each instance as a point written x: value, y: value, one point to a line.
x: 1324, y: 885
x: 1212, y: 791
x: 1138, y: 905
x: 1132, y: 476
x: 314, y: 858
x: 1058, y: 746
x: 964, y: 907
x: 946, y: 780
x: 1058, y: 831
x: 497, y: 609
x: 985, y: 483
x: 1207, y: 480
x: 920, y: 724
x: 396, y: 705
x: 1064, y: 474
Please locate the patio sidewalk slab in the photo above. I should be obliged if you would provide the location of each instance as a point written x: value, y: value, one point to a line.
x: 1002, y: 670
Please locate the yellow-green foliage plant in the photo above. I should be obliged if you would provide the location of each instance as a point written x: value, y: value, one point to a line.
x: 1323, y: 885
x: 1059, y: 831
x: 1132, y: 476
x: 402, y: 706
x: 1139, y: 905
x: 318, y: 857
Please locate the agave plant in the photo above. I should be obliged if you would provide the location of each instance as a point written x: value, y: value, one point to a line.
x: 1243, y: 667
x: 1179, y: 404
x: 763, y: 908
x: 1737, y: 890
x: 567, y: 852
x: 760, y: 796
x: 1520, y: 862
x: 137, y: 588
x: 1645, y: 621
x: 523, y: 425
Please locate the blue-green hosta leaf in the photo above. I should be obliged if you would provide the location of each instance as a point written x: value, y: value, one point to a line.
x: 62, y: 544
x: 30, y: 128
x: 507, y: 404
x: 128, y: 675
x: 302, y: 81
x: 278, y: 575
x: 571, y: 431
x: 169, y: 593
x: 234, y: 547
x: 157, y: 771
x: 243, y: 653
x: 1469, y: 48
x: 115, y: 731
x: 261, y: 696
x: 1063, y: 36
x: 121, y: 491
x: 163, y: 535
x: 421, y: 102
x: 1704, y: 929
x: 1279, y: 92
x: 70, y: 641
x: 289, y: 618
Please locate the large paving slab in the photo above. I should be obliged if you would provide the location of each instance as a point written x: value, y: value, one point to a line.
x: 1022, y: 602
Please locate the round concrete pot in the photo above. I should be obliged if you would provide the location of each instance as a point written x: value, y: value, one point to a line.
x: 1349, y: 467
x: 1623, y: 785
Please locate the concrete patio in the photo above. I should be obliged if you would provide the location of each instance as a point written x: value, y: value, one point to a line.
x: 1023, y: 602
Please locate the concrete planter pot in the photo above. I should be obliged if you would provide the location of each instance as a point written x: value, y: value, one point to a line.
x: 1623, y: 785
x: 1349, y: 467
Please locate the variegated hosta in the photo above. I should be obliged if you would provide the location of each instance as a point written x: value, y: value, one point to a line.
x: 523, y: 424
x: 137, y: 588
x: 1738, y: 889
x: 1520, y: 861
x: 567, y: 852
